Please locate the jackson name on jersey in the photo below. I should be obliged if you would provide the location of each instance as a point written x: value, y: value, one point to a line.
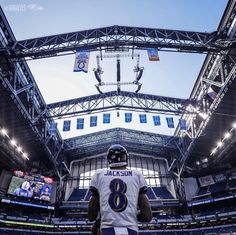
x: 118, y: 173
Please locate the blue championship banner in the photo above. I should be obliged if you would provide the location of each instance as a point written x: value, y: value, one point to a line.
x: 81, y: 61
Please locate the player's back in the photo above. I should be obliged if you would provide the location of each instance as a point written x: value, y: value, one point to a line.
x: 118, y: 194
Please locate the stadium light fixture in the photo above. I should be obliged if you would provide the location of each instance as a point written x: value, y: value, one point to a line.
x: 4, y: 131
x: 227, y: 135
x: 19, y: 149
x: 219, y: 144
x: 13, y: 142
x: 234, y: 125
x: 213, y: 151
x: 25, y: 156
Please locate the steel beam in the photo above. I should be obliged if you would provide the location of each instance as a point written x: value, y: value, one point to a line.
x: 117, y: 38
x: 117, y: 100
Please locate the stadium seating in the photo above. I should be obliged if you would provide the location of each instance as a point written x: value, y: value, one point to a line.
x: 151, y: 194
x: 162, y: 192
x: 88, y: 195
x: 232, y: 184
x: 218, y: 187
x: 77, y: 194
x: 203, y: 191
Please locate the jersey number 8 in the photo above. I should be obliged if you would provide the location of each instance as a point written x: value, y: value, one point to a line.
x: 117, y: 199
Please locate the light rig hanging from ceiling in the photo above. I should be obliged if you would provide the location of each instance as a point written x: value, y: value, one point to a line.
x: 98, y: 72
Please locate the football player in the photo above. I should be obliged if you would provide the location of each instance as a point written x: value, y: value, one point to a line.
x: 23, y: 190
x: 118, y: 193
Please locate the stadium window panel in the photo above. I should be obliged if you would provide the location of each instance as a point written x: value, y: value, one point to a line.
x: 106, y: 118
x: 66, y: 125
x: 80, y: 123
x: 152, y: 182
x: 85, y: 175
x: 99, y: 164
x: 93, y: 121
x: 143, y: 118
x: 86, y: 183
x: 145, y: 172
x: 128, y: 117
x: 131, y: 162
x: 156, y: 120
x: 150, y: 176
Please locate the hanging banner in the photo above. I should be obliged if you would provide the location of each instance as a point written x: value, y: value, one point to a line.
x: 80, y: 123
x: 170, y: 122
x: 143, y: 118
x: 66, y: 125
x: 81, y: 61
x: 182, y: 124
x: 153, y: 54
x: 128, y: 117
x: 106, y: 118
x: 156, y: 120
x: 52, y: 128
x: 93, y: 121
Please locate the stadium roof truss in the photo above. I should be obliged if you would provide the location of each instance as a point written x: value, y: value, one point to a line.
x: 135, y: 141
x: 119, y: 38
x: 117, y: 100
x: 218, y: 72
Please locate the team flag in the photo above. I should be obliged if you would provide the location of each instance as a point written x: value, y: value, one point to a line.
x: 156, y: 120
x: 52, y: 128
x: 143, y: 118
x: 182, y: 124
x: 170, y: 122
x: 66, y: 125
x: 106, y: 118
x: 80, y: 123
x: 153, y: 54
x: 128, y: 117
x: 93, y: 121
x: 81, y: 61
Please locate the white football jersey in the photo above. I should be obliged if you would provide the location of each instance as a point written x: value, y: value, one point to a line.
x: 118, y: 194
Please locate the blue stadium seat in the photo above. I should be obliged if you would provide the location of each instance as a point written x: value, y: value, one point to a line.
x: 162, y: 192
x: 88, y: 195
x: 77, y: 195
x: 218, y: 187
x: 151, y: 194
x: 203, y: 191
